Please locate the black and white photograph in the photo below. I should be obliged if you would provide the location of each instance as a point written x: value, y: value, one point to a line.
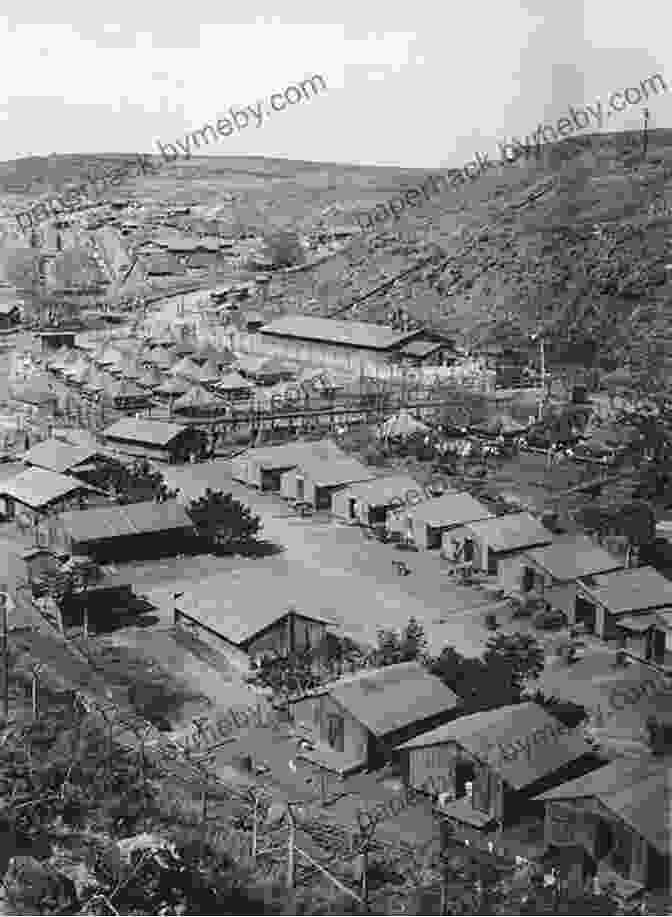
x: 335, y: 458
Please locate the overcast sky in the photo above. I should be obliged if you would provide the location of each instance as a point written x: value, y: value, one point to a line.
x: 423, y: 84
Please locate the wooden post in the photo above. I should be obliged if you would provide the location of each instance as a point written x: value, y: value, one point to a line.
x: 36, y: 694
x: 290, y: 848
x: 5, y: 655
x: 86, y: 621
x: 255, y: 815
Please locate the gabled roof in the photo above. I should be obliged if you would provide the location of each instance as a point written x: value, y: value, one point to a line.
x: 511, y: 532
x: 332, y: 331
x: 241, y: 604
x: 451, y: 509
x: 638, y: 589
x: 288, y: 455
x: 382, y: 491
x: 393, y: 697
x: 104, y: 522
x: 482, y: 734
x: 56, y: 455
x: 333, y: 470
x: 152, y: 432
x: 637, y: 790
x: 232, y: 381
x: 37, y: 487
x: 569, y: 558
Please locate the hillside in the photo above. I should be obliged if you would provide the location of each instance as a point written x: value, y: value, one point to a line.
x: 575, y: 241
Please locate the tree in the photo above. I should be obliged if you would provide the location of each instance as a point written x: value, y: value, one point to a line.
x: 394, y: 647
x: 283, y: 248
x: 521, y: 651
x: 223, y: 520
x: 138, y: 483
x: 481, y: 686
x: 413, y: 641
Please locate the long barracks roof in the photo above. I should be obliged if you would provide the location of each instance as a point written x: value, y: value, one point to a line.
x: 288, y: 455
x: 569, y: 558
x: 146, y: 432
x: 56, y: 455
x: 382, y: 491
x: 638, y: 589
x: 347, y: 334
x: 103, y: 522
x: 511, y: 532
x: 243, y: 603
x: 637, y: 790
x: 393, y: 697
x: 334, y: 471
x: 37, y: 487
x: 451, y: 509
x: 482, y: 734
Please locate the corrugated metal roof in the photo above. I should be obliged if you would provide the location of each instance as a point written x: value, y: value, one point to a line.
x: 635, y: 789
x: 511, y: 532
x: 56, y: 455
x: 103, y: 522
x: 485, y: 734
x: 151, y: 432
x: 638, y: 589
x: 568, y: 559
x: 393, y: 697
x: 451, y: 509
x: 242, y: 603
x: 37, y: 487
x: 328, y: 330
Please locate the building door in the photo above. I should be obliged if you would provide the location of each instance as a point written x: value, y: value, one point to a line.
x: 464, y: 773
x: 300, y: 489
x: 655, y: 645
x: 352, y: 506
x: 585, y: 613
x: 528, y: 579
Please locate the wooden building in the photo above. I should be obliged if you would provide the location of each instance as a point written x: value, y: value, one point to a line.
x: 124, y: 532
x: 553, y: 572
x: 483, y: 778
x: 359, y: 347
x: 612, y: 602
x: 317, y: 480
x: 152, y: 439
x: 263, y: 467
x: 621, y: 815
x: 496, y: 545
x: 430, y: 522
x: 363, y: 717
x: 35, y: 496
x: 369, y: 503
x: 253, y: 613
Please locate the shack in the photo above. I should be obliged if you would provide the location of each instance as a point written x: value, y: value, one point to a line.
x: 152, y: 439
x: 620, y: 814
x: 252, y: 613
x: 125, y: 532
x: 483, y: 778
x: 370, y: 502
x: 431, y: 521
x: 317, y: 480
x: 553, y: 572
x: 614, y: 602
x: 365, y: 716
x: 263, y: 467
x: 495, y: 545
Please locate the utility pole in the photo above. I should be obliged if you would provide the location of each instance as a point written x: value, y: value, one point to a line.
x: 645, y: 132
x: 5, y: 654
